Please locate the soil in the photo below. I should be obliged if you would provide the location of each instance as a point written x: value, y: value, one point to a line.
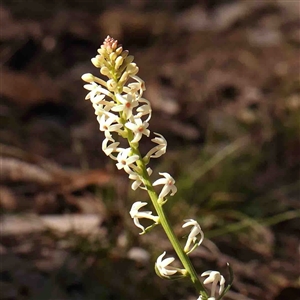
x: 216, y: 72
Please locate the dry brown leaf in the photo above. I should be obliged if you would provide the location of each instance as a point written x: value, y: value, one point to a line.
x: 25, y: 89
x: 20, y: 166
x: 15, y: 170
x: 82, y: 179
x: 8, y: 201
x: 28, y: 224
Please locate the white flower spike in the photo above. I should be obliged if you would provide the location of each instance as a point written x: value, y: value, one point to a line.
x: 122, y: 112
x: 192, y: 238
x: 169, y: 185
x: 136, y: 215
x: 214, y: 277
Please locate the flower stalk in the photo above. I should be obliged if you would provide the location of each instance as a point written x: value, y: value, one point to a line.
x: 122, y: 112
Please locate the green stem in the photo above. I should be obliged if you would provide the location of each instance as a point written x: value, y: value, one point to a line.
x: 185, y: 260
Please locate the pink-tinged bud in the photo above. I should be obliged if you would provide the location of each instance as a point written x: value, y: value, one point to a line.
x: 110, y: 44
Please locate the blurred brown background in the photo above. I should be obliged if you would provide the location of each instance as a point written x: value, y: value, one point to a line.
x: 223, y: 80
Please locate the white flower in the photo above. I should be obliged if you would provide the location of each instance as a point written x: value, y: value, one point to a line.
x: 127, y: 103
x: 135, y: 87
x: 161, y: 147
x: 163, y: 266
x: 97, y: 104
x: 101, y: 106
x: 137, y: 179
x: 169, y: 185
x: 192, y: 238
x: 214, y: 277
x: 109, y: 124
x: 109, y: 149
x: 126, y: 160
x: 92, y: 87
x: 140, y: 81
x: 97, y: 99
x: 136, y: 215
x: 96, y: 90
x: 138, y: 128
x: 144, y: 109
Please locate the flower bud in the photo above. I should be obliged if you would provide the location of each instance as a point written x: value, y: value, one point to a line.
x: 111, y: 85
x: 119, y: 62
x: 105, y: 71
x: 132, y: 69
x: 97, y: 61
x: 113, y: 56
x: 129, y: 59
x: 88, y: 77
x: 124, y: 77
x: 114, y: 45
x: 101, y: 50
x: 124, y: 54
x: 119, y: 50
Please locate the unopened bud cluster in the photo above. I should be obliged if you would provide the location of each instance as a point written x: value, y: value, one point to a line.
x: 122, y: 112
